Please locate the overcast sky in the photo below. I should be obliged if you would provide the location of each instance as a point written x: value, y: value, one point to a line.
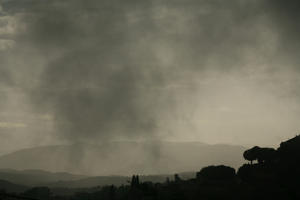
x: 213, y: 71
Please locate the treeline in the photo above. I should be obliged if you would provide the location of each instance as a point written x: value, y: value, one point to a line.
x: 270, y: 174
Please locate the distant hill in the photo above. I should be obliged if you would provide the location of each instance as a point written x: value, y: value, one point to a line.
x: 91, y: 182
x: 115, y: 180
x: 11, y: 187
x: 117, y: 158
x: 31, y: 178
x: 36, y: 177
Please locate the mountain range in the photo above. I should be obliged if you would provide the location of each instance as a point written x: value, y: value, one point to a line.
x: 61, y: 166
x: 123, y: 158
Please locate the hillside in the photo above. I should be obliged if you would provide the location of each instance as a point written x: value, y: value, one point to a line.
x: 11, y: 187
x: 114, y: 180
x: 36, y: 177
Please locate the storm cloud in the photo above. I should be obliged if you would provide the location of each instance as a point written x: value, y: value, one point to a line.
x: 204, y: 70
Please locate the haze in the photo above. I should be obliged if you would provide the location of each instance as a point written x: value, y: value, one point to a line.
x: 213, y: 71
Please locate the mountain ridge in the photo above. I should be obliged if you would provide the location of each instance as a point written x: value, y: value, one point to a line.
x: 123, y: 158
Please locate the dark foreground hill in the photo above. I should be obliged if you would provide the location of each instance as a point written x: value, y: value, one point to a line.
x: 123, y: 158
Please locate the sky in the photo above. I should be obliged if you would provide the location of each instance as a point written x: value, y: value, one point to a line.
x: 93, y: 71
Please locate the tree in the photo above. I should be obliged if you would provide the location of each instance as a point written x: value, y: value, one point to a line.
x: 219, y: 172
x: 177, y: 178
x: 251, y: 154
x: 262, y: 155
x: 135, y: 181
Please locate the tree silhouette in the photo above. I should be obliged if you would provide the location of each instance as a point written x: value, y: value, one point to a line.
x: 219, y: 172
x: 260, y: 154
x: 135, y: 181
x: 251, y: 154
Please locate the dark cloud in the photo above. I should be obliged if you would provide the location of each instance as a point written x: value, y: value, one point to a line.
x: 98, y: 85
x: 94, y: 86
x: 285, y: 17
x: 130, y: 69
